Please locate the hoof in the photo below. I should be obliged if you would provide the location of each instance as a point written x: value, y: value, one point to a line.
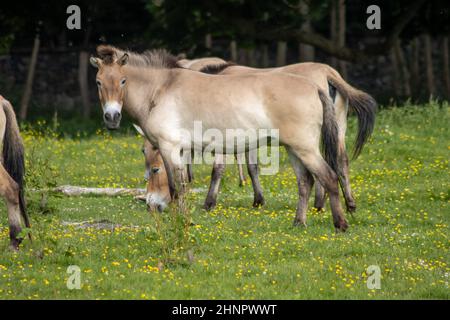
x: 351, y: 208
x: 299, y: 223
x: 319, y: 204
x: 258, y: 201
x: 209, y: 205
x: 341, y: 226
x: 14, y: 245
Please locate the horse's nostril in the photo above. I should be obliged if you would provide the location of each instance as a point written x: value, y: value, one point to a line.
x: 107, y: 117
x: 112, y: 116
x: 117, y: 116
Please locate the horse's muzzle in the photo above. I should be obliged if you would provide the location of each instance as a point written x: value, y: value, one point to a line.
x: 155, y: 202
x: 112, y: 119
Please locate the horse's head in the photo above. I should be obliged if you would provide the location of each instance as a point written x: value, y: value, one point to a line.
x: 111, y: 84
x: 158, y: 193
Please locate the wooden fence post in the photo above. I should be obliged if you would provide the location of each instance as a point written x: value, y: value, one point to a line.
x: 233, y: 51
x: 83, y: 68
x: 446, y: 66
x: 281, y: 53
x: 30, y: 77
x: 429, y: 65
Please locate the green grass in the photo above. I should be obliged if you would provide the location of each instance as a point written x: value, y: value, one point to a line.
x: 401, y: 183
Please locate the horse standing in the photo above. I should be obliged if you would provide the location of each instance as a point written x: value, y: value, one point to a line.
x: 12, y: 171
x: 324, y: 76
x: 166, y: 100
x: 343, y: 95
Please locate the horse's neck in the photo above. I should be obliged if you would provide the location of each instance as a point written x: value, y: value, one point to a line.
x: 142, y: 91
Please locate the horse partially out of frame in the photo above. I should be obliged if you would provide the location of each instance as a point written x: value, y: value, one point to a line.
x: 166, y: 101
x: 12, y: 172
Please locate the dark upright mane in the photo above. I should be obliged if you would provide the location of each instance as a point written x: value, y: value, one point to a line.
x: 156, y: 58
x: 216, y: 68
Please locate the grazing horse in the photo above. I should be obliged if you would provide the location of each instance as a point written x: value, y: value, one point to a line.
x: 158, y: 193
x: 343, y: 95
x: 166, y: 101
x: 12, y: 172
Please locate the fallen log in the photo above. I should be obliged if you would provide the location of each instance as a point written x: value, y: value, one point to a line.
x: 74, y: 191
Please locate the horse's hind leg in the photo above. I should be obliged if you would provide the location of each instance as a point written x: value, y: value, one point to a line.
x: 252, y: 168
x: 304, y: 182
x: 319, y: 196
x: 216, y: 176
x: 314, y: 162
x: 344, y: 180
x: 9, y: 189
x: 341, y: 106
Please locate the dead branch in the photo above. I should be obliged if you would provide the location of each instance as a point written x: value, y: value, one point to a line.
x: 74, y: 191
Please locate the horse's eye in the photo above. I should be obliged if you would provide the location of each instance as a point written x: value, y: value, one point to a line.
x: 143, y: 150
x: 122, y: 82
x: 155, y: 170
x: 99, y: 83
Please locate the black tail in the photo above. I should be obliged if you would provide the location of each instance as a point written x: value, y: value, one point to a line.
x: 14, y: 156
x: 362, y: 103
x: 330, y: 137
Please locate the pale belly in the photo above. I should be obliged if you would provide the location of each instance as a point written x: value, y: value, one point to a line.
x: 228, y: 133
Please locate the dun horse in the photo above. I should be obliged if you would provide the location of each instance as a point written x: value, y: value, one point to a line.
x: 322, y: 75
x: 343, y: 95
x: 12, y: 172
x: 198, y: 65
x: 166, y: 100
x: 158, y: 193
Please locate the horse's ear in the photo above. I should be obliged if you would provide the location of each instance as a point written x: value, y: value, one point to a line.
x: 95, y: 62
x: 139, y: 130
x: 123, y: 60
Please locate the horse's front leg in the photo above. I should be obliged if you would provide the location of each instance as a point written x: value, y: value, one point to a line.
x: 171, y: 155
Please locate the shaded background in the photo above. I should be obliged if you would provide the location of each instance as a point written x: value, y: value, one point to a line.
x: 407, y: 59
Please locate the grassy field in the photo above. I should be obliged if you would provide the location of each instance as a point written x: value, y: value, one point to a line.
x: 401, y: 183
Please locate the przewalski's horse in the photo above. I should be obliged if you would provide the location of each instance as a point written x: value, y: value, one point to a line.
x: 166, y: 101
x: 343, y: 95
x: 197, y: 65
x: 12, y: 172
x: 158, y: 193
